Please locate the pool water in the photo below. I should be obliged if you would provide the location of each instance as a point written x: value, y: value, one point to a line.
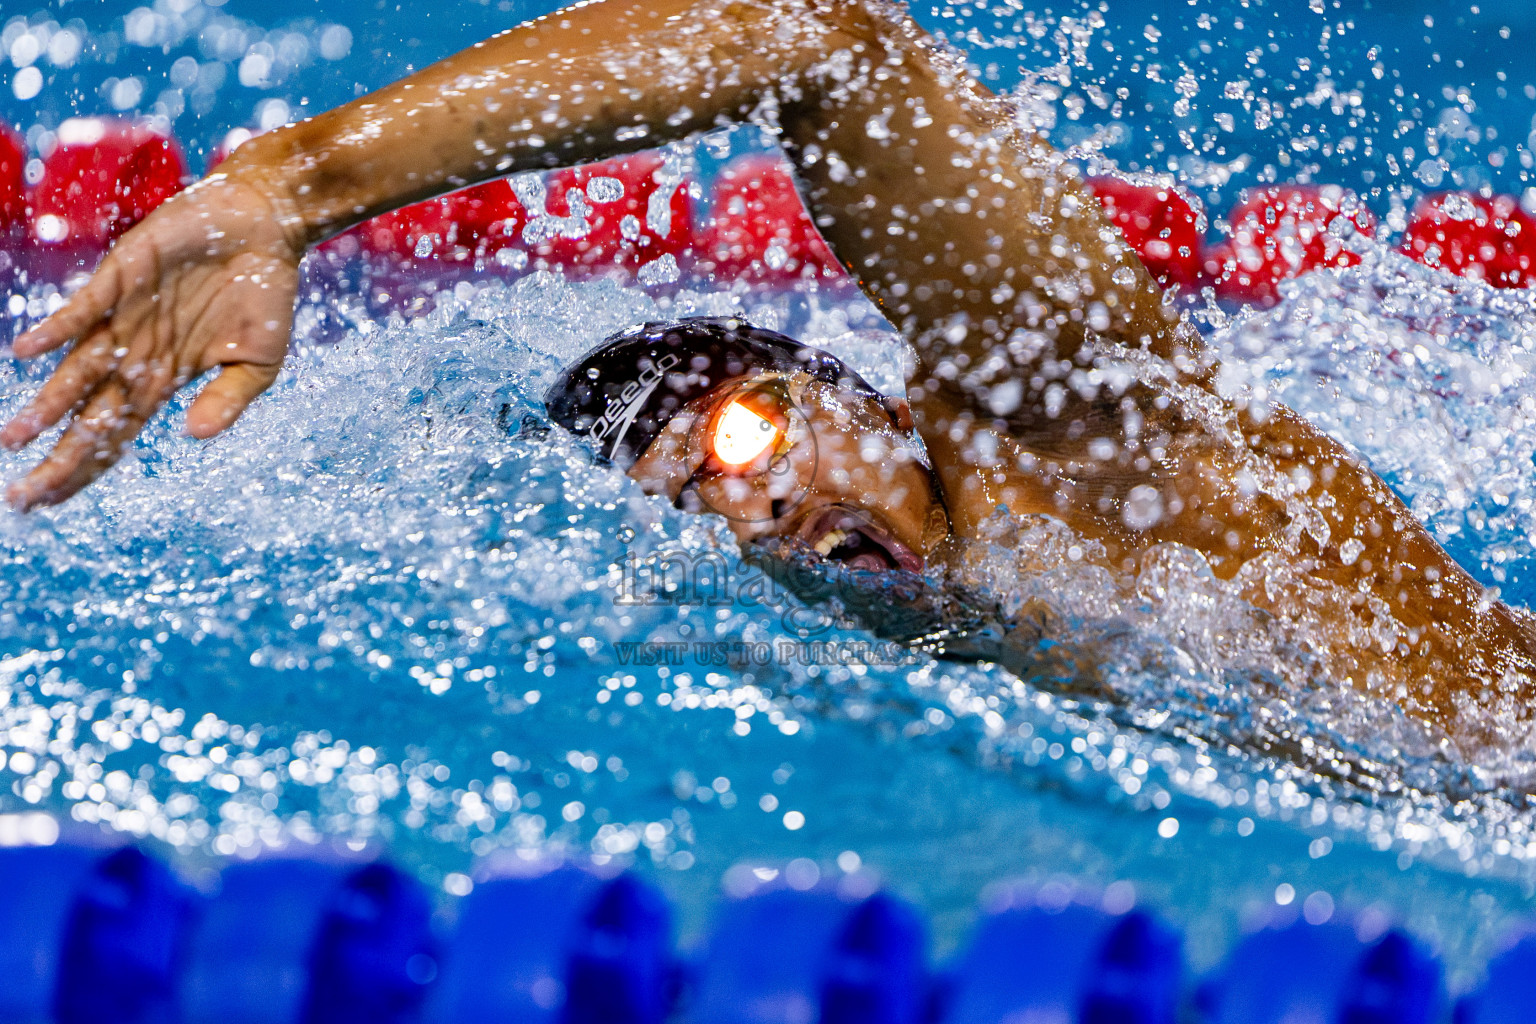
x: 392, y: 608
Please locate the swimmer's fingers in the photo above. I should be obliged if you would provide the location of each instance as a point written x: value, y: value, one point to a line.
x: 97, y: 438
x: 86, y: 308
x: 248, y: 352
x: 78, y: 375
x: 227, y: 396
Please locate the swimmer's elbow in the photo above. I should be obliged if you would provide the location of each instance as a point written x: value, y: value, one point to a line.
x: 806, y: 35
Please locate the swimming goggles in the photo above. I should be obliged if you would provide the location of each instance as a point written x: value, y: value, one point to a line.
x: 750, y: 434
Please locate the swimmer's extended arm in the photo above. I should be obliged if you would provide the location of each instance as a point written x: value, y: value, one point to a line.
x: 963, y: 226
x: 966, y: 230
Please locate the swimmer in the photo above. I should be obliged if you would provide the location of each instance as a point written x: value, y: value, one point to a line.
x: 1052, y: 379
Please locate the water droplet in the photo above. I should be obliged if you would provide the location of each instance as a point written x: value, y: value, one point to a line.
x: 662, y: 270
x: 605, y: 190
x: 1143, y: 507
x: 1458, y: 207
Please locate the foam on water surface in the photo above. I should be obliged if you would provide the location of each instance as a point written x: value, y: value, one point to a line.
x: 392, y: 605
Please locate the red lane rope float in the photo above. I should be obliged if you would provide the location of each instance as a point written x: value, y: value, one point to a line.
x: 1281, y: 232
x: 457, y: 228
x: 758, y: 226
x: 103, y: 177
x: 621, y: 213
x: 13, y: 191
x: 1165, y: 226
x: 1485, y: 238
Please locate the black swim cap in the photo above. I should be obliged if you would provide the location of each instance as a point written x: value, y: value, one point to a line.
x: 622, y: 393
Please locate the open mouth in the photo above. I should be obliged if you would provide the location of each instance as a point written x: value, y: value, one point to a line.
x: 837, y: 534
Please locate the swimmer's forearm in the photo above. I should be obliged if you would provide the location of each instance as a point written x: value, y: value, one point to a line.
x: 590, y: 82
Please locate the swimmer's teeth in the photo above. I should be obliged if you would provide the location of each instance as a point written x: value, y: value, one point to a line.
x: 826, y: 544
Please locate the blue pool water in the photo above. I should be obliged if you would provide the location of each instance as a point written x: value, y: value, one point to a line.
x: 389, y: 609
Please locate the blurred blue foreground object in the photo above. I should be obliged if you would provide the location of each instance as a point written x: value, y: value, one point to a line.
x: 300, y: 942
x: 562, y: 946
x: 123, y: 944
x: 1508, y: 996
x: 783, y: 956
x: 1047, y: 956
x: 40, y: 887
x: 88, y: 936
x: 1292, y: 972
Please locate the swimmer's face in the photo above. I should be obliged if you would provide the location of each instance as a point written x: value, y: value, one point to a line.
x: 791, y: 457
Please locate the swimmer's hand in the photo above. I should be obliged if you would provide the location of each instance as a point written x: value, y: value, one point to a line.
x: 207, y: 282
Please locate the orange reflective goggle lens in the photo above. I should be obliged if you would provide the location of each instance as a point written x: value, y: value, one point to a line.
x: 751, y: 425
x: 741, y: 435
